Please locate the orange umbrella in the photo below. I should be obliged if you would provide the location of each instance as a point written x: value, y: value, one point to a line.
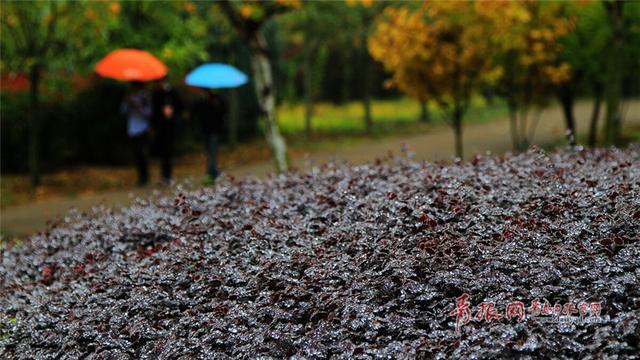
x: 131, y: 65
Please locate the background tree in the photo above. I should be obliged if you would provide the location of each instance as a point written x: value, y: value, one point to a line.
x: 525, y: 46
x: 583, y: 50
x: 248, y: 19
x: 439, y: 52
x: 622, y: 63
x: 172, y: 30
x: 310, y: 31
x: 49, y: 35
x: 631, y: 75
x: 364, y: 15
x: 615, y: 61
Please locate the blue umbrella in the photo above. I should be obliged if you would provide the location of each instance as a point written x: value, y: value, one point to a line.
x: 216, y: 76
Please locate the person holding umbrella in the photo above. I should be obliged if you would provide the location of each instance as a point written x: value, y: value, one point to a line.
x: 167, y: 109
x: 211, y: 110
x: 136, y: 108
x: 136, y: 66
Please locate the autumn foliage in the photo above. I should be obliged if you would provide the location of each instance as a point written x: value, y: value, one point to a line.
x: 527, y: 50
x: 446, y: 51
x: 436, y: 52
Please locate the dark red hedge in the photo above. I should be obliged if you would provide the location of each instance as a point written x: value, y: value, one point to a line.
x: 342, y: 262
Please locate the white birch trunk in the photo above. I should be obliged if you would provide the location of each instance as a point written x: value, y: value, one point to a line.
x: 265, y: 91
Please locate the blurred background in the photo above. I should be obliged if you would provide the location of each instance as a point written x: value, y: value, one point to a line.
x: 352, y: 81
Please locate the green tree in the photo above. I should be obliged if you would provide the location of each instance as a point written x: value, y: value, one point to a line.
x: 49, y: 35
x: 525, y: 46
x: 311, y: 32
x: 366, y: 11
x: 172, y: 30
x: 583, y: 50
x: 613, y: 92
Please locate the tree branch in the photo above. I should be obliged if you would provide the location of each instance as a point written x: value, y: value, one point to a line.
x: 241, y: 25
x: 16, y: 36
x: 51, y: 28
x: 272, y: 8
x: 247, y: 27
x: 29, y: 49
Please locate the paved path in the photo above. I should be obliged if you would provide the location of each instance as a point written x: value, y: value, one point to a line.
x: 435, y: 145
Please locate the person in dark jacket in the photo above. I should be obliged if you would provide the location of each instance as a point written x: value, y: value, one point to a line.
x: 167, y: 109
x: 136, y: 108
x: 210, y: 111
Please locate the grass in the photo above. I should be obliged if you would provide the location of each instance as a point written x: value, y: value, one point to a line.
x: 397, y: 116
x: 631, y: 134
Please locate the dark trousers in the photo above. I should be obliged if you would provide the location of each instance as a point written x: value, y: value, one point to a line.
x: 139, y: 146
x: 212, y: 155
x: 165, y: 150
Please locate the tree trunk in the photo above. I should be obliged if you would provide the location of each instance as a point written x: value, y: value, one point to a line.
x: 595, y: 114
x: 137, y: 14
x: 366, y: 91
x: 534, y: 125
x: 524, y: 141
x: 308, y: 93
x: 566, y: 98
x: 457, y: 130
x: 488, y: 94
x: 367, y: 20
x: 614, y: 72
x: 232, y: 129
x: 34, y: 125
x: 265, y: 91
x: 424, y: 112
x: 234, y: 117
x: 513, y: 125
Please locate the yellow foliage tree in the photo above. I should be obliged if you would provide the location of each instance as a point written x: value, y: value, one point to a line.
x: 446, y: 50
x: 440, y: 51
x: 525, y: 45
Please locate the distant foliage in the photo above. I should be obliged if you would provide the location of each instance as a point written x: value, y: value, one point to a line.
x: 436, y: 52
x: 443, y: 49
x: 446, y: 50
x: 58, y: 34
x: 440, y: 51
x: 526, y: 46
